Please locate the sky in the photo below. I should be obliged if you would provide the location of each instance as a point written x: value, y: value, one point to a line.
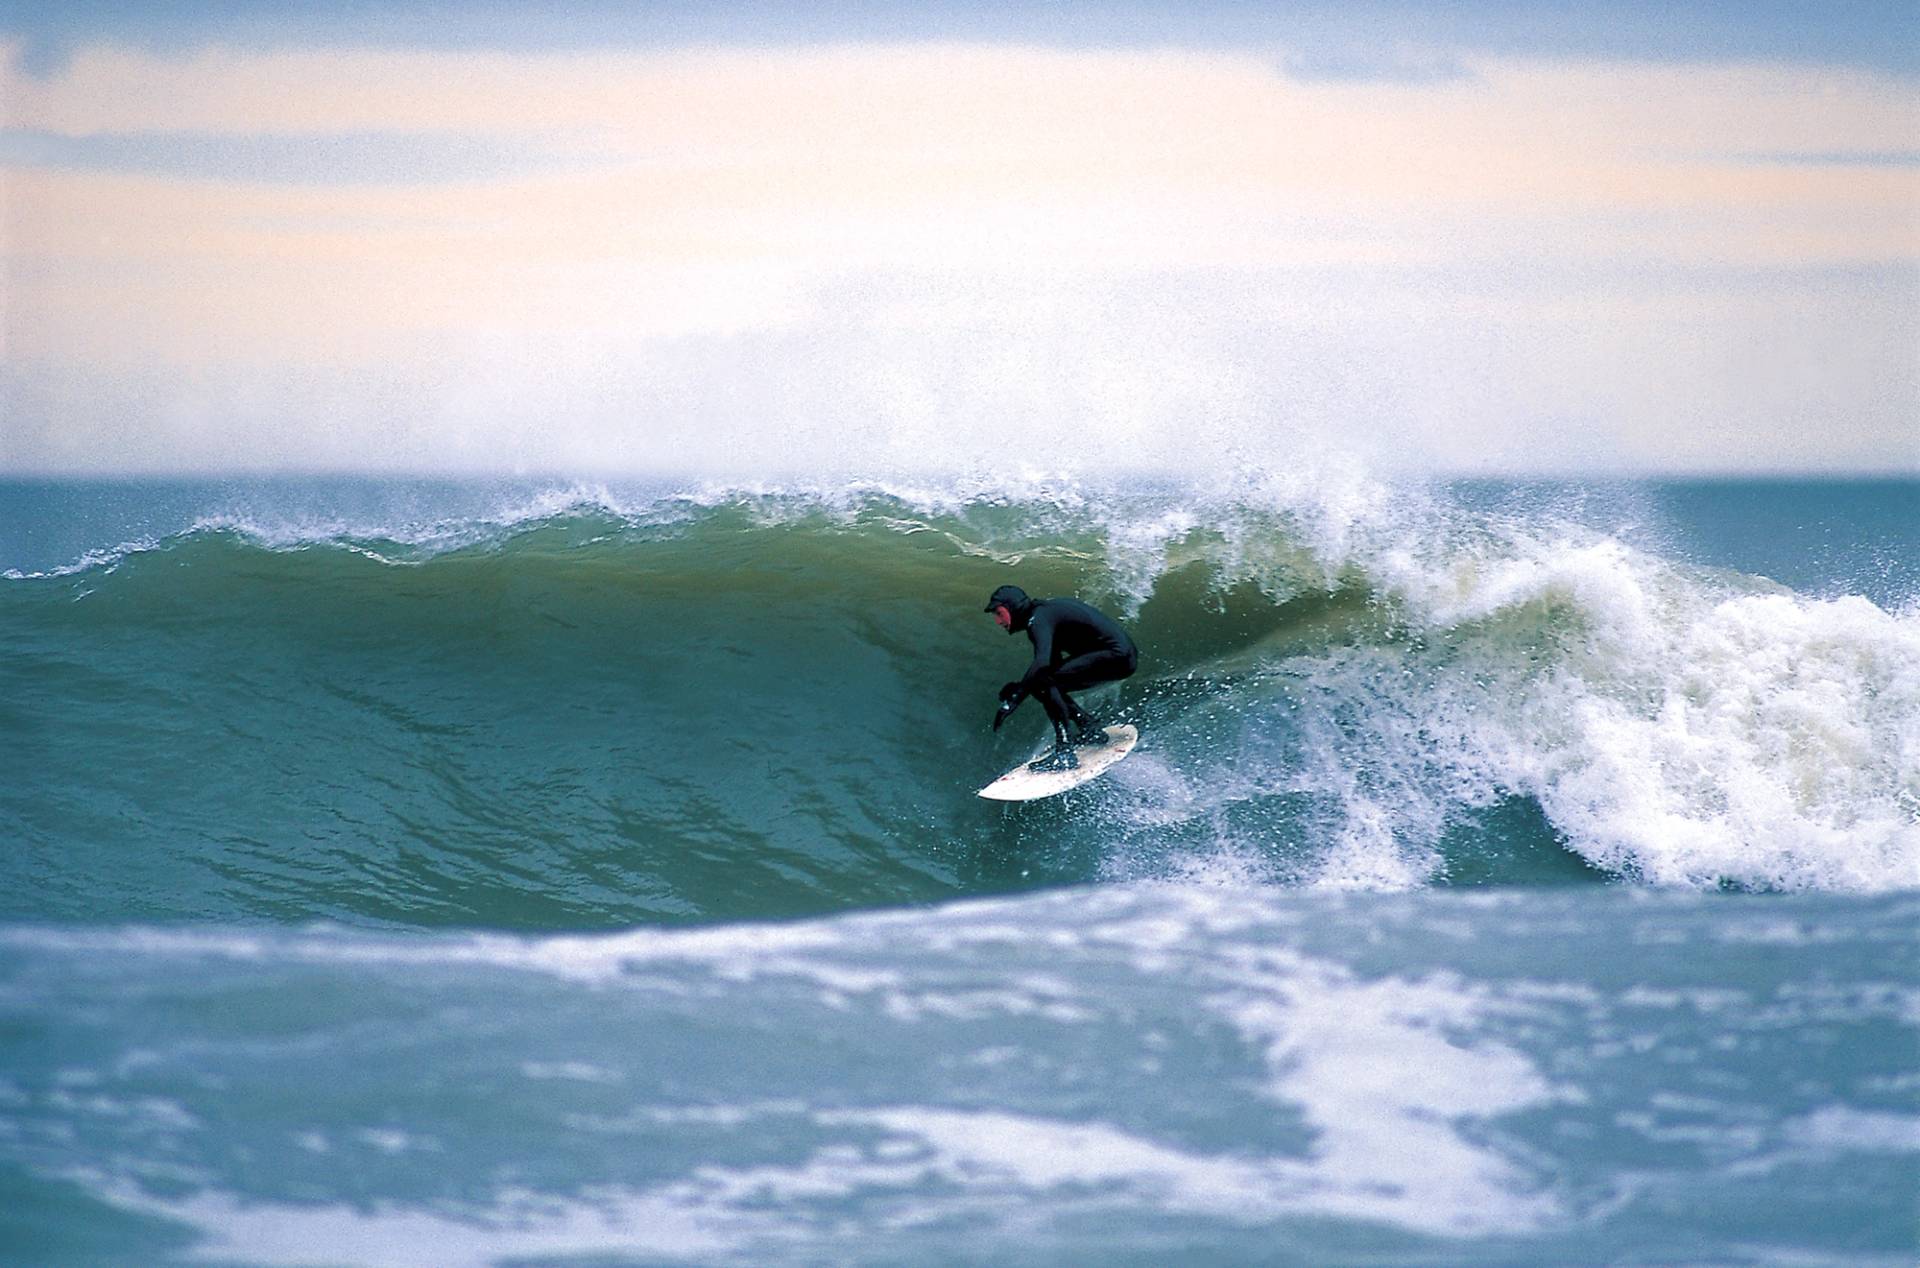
x: 1476, y: 238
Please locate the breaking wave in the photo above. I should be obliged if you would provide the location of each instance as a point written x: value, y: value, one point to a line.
x: 592, y: 707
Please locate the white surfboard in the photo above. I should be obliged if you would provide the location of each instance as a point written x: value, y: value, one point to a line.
x: 1021, y: 784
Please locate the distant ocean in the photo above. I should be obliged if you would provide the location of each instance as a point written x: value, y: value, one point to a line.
x: 536, y: 873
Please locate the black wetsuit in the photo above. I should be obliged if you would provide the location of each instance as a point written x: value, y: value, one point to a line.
x: 1075, y: 646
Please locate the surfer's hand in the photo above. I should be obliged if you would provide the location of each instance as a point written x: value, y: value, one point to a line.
x: 1003, y: 712
x: 1009, y: 691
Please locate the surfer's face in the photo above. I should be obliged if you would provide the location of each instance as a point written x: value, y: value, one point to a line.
x: 1003, y: 618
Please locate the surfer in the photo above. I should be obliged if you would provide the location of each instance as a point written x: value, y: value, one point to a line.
x: 1075, y: 646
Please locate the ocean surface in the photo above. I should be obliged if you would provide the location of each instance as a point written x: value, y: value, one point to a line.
x: 537, y: 872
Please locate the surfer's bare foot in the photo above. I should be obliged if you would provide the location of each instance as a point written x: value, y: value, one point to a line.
x: 1061, y: 758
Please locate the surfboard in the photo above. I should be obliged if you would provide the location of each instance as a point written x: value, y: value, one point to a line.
x: 1021, y: 784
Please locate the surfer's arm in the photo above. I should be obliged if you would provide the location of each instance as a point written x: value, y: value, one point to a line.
x: 1011, y: 694
x: 1041, y: 632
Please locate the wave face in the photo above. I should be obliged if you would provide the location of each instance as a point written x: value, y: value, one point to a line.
x: 590, y: 710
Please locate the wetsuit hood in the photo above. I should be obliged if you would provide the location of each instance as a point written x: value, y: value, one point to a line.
x: 1015, y: 601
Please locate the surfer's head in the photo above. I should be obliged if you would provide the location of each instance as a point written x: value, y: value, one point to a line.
x: 1010, y: 607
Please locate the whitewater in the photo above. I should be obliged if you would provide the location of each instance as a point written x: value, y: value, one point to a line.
x: 537, y: 871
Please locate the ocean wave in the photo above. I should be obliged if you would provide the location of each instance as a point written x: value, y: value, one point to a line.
x: 1344, y: 684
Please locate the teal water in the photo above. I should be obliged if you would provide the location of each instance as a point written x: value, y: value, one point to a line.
x: 536, y: 873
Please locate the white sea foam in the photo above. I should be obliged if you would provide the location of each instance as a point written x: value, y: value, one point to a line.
x: 1015, y: 1153
x: 1842, y: 1128
x: 518, y: 1225
x: 1385, y: 1074
x: 1677, y: 727
x: 103, y: 560
x: 1686, y: 736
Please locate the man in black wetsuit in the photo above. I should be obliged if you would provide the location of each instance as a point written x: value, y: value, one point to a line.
x: 1074, y: 647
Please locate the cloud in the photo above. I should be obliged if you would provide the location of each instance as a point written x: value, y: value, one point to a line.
x: 1834, y: 158
x: 1373, y: 66
x: 325, y: 159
